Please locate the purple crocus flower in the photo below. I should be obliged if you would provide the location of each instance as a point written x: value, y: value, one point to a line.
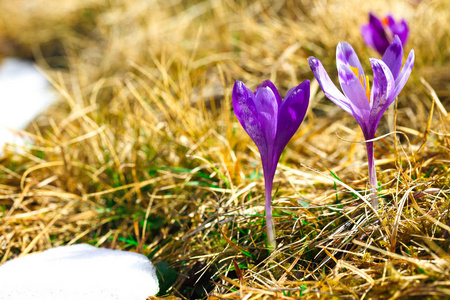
x: 379, y: 33
x: 366, y: 104
x: 270, y: 123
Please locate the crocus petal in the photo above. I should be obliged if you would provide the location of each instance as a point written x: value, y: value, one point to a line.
x: 390, y: 19
x: 270, y: 85
x: 393, y: 56
x: 267, y: 107
x: 347, y: 56
x: 379, y: 37
x: 381, y: 96
x: 383, y: 85
x: 245, y: 110
x: 291, y: 114
x: 402, y: 78
x: 367, y: 34
x: 353, y: 90
x: 328, y: 87
x: 401, y: 29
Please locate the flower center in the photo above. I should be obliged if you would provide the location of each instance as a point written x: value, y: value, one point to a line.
x: 389, y: 34
x: 385, y: 21
x: 364, y: 81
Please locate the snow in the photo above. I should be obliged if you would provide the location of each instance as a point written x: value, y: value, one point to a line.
x: 24, y: 94
x: 78, y: 272
x: 67, y: 272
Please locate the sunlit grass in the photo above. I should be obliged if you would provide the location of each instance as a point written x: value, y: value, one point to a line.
x: 143, y: 151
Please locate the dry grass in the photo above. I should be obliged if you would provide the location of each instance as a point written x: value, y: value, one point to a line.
x: 143, y: 151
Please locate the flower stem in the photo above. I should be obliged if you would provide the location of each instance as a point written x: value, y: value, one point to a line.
x: 372, y: 176
x: 268, y: 208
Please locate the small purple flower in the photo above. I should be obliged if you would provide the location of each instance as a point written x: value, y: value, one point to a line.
x: 270, y: 123
x: 366, y: 104
x: 379, y: 33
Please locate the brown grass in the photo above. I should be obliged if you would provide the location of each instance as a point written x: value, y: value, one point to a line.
x: 143, y: 151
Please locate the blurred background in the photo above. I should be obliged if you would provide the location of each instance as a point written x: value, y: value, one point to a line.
x: 139, y: 149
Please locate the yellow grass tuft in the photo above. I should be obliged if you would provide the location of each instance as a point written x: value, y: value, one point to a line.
x: 143, y: 151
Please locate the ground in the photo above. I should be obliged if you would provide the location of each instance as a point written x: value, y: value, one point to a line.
x: 143, y: 151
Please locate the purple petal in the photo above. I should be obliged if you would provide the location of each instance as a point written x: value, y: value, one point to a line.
x: 367, y: 34
x: 291, y: 115
x: 401, y: 29
x: 247, y: 114
x: 390, y: 20
x: 393, y: 56
x: 267, y: 107
x: 402, y: 78
x: 379, y: 36
x: 347, y: 56
x: 353, y: 90
x: 270, y: 85
x: 328, y: 87
x: 381, y: 96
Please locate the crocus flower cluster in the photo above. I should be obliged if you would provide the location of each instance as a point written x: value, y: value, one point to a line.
x: 366, y: 104
x: 379, y: 33
x: 270, y: 122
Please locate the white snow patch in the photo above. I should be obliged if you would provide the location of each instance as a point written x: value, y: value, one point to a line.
x: 79, y: 272
x: 24, y: 94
